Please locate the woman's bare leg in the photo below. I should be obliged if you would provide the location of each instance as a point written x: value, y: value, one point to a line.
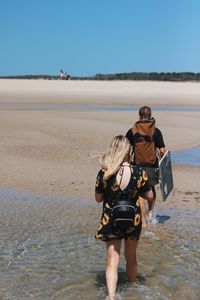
x: 131, y: 262
x: 113, y: 255
x: 150, y: 214
x: 143, y: 211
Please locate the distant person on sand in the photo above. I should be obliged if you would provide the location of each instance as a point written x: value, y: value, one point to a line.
x: 119, y: 185
x: 147, y: 142
x: 63, y: 75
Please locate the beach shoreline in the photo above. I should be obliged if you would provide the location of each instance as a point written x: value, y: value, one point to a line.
x: 49, y: 163
x: 54, y: 151
x: 96, y: 92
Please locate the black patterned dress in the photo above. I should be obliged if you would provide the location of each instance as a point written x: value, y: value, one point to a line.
x: 137, y: 185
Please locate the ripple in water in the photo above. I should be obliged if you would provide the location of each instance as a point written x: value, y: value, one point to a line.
x: 48, y: 251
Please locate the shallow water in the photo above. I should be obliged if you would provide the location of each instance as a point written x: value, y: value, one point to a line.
x: 189, y: 157
x: 52, y: 106
x: 48, y: 251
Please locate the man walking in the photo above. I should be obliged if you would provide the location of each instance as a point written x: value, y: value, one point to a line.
x: 148, y: 143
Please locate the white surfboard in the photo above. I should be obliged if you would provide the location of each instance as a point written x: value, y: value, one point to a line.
x: 165, y: 175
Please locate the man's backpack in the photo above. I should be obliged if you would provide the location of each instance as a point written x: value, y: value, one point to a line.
x: 144, y: 146
x: 123, y: 211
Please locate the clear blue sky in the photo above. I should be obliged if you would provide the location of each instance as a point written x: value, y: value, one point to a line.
x: 85, y: 37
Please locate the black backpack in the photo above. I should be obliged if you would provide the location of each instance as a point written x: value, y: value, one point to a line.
x: 123, y: 211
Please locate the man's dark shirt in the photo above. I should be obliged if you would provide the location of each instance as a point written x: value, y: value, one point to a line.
x: 158, y: 140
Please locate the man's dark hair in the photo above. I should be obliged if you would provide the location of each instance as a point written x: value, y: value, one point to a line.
x: 145, y: 112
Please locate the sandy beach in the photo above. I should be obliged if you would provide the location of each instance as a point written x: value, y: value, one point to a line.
x: 52, y: 151
x: 48, y: 158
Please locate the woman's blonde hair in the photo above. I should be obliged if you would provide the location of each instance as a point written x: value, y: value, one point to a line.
x: 119, y: 150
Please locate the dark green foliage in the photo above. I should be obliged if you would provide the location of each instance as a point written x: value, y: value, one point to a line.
x: 183, y: 76
x: 30, y: 77
x: 153, y: 76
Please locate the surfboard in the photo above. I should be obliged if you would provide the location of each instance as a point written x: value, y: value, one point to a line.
x: 165, y: 175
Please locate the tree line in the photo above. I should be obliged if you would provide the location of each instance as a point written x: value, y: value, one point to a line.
x: 152, y: 76
x: 173, y: 76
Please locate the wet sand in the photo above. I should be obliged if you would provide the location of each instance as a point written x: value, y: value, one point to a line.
x: 47, y: 245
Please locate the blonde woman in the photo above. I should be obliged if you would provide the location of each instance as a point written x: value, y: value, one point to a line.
x: 118, y: 186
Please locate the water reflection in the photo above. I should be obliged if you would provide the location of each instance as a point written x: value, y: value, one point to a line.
x: 48, y: 251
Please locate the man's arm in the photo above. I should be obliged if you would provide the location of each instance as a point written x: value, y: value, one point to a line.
x: 129, y: 136
x: 159, y: 142
x: 162, y: 151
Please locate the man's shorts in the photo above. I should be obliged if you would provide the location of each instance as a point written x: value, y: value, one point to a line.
x: 153, y: 174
